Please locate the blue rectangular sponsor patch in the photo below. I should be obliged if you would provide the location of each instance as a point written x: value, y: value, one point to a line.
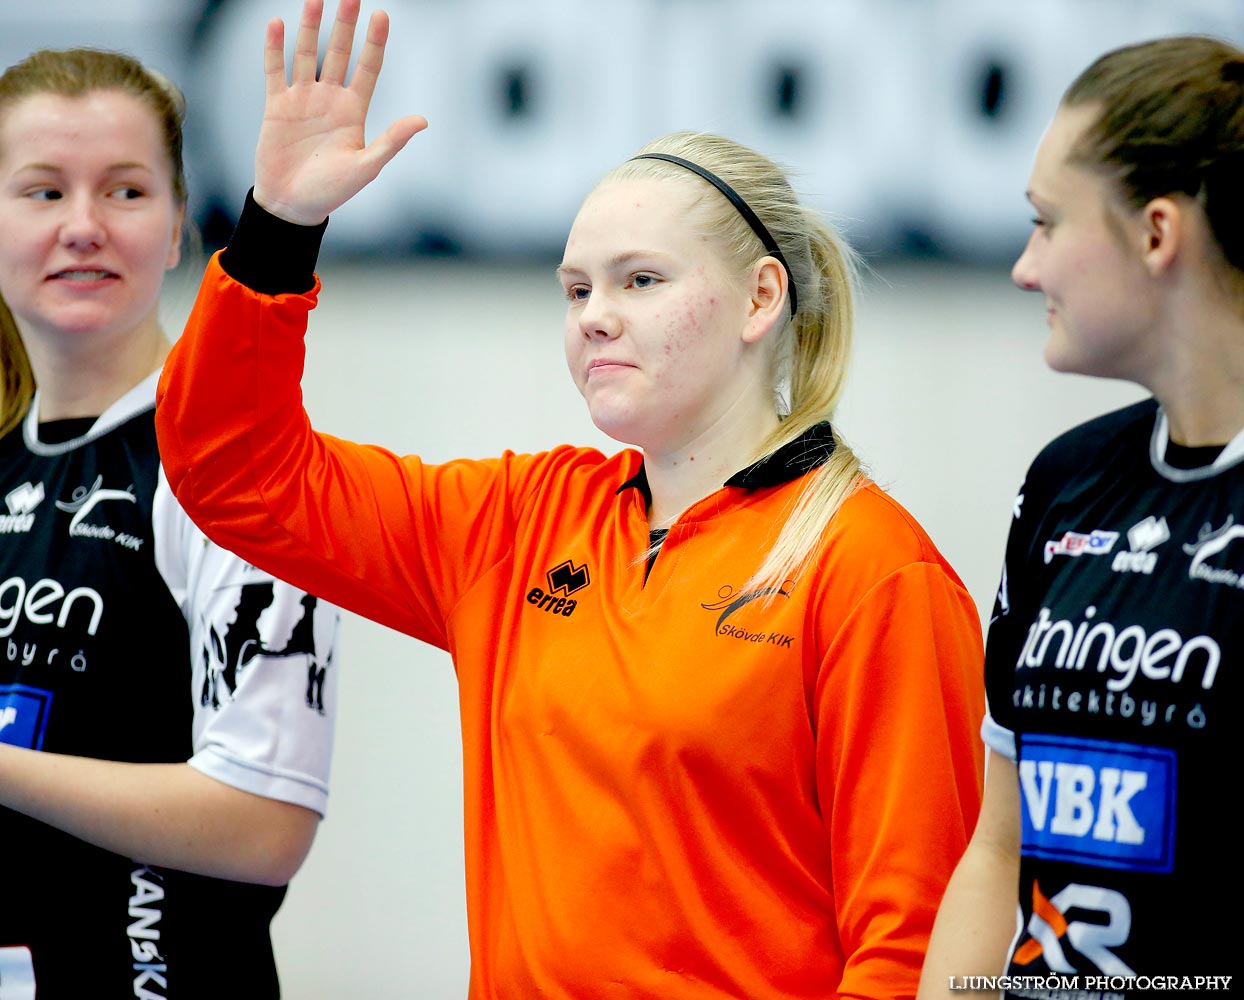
x: 1098, y: 803
x: 23, y: 715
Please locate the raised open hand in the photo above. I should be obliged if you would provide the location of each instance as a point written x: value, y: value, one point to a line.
x: 312, y: 156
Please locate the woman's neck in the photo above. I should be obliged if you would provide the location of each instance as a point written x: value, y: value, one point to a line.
x: 1201, y: 381
x: 82, y: 375
x: 1208, y: 411
x: 682, y: 476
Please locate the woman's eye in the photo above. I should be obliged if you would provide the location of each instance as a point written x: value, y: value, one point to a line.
x: 44, y: 194
x: 127, y: 193
x: 643, y: 280
x: 578, y: 293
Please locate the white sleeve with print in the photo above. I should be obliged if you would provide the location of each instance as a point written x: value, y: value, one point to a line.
x: 263, y: 655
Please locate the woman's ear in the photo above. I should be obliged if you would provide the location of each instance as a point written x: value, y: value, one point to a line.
x: 1163, y: 223
x: 768, y: 308
x: 174, y: 250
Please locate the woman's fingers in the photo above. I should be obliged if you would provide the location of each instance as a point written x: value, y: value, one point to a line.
x: 307, y: 45
x: 312, y: 156
x: 337, y: 55
x: 391, y: 141
x: 371, y: 58
x: 274, y: 57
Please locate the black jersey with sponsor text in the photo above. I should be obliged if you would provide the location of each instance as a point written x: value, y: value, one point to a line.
x: 106, y: 592
x: 1112, y: 670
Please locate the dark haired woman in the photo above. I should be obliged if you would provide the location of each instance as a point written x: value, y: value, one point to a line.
x: 1119, y: 624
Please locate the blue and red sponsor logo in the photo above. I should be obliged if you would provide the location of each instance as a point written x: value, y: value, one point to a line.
x: 1076, y: 544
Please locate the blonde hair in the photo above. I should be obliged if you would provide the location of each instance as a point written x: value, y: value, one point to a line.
x: 813, y: 349
x: 75, y: 73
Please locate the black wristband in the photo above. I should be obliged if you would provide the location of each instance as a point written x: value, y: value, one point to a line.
x: 270, y: 255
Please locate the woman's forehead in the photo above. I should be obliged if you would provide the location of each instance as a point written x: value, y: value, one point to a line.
x: 655, y: 196
x: 625, y: 212
x: 104, y: 113
x: 99, y: 130
x: 1062, y: 137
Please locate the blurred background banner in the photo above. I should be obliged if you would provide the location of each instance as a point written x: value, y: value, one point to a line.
x: 908, y: 121
x: 912, y: 123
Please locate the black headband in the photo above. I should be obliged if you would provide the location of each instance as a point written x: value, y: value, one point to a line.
x: 743, y: 208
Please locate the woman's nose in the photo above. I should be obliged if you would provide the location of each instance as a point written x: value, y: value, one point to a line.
x: 82, y: 227
x: 599, y: 316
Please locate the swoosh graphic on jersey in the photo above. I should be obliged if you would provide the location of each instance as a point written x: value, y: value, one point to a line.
x: 85, y: 499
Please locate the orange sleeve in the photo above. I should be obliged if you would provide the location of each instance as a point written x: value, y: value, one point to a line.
x: 899, y: 767
x: 357, y: 525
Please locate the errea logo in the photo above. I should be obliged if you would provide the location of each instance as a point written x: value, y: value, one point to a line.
x: 21, y: 503
x: 565, y: 579
x: 1142, y: 538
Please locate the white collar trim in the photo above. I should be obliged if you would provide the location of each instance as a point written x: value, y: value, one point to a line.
x: 132, y: 403
x: 1230, y: 455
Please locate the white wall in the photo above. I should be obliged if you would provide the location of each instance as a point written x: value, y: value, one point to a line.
x: 910, y: 118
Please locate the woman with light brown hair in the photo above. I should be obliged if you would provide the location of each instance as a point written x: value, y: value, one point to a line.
x: 151, y: 808
x: 1120, y: 618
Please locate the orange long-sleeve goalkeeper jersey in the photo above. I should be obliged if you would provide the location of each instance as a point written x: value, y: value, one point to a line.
x: 673, y: 789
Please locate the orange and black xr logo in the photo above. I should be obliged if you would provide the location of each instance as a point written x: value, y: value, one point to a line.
x: 1103, y: 923
x: 563, y: 579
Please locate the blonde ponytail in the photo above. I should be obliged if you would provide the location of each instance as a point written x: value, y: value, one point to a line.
x: 820, y: 352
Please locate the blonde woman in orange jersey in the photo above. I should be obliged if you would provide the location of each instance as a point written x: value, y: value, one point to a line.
x: 719, y: 693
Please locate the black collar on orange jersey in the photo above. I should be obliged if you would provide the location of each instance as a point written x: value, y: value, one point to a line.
x: 807, y: 452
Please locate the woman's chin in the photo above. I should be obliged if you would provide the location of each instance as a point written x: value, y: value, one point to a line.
x: 623, y: 428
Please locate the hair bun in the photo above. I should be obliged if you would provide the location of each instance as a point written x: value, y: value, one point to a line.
x: 1233, y: 72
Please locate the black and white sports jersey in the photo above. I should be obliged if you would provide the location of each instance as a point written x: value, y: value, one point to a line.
x: 126, y: 635
x: 1111, y: 672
